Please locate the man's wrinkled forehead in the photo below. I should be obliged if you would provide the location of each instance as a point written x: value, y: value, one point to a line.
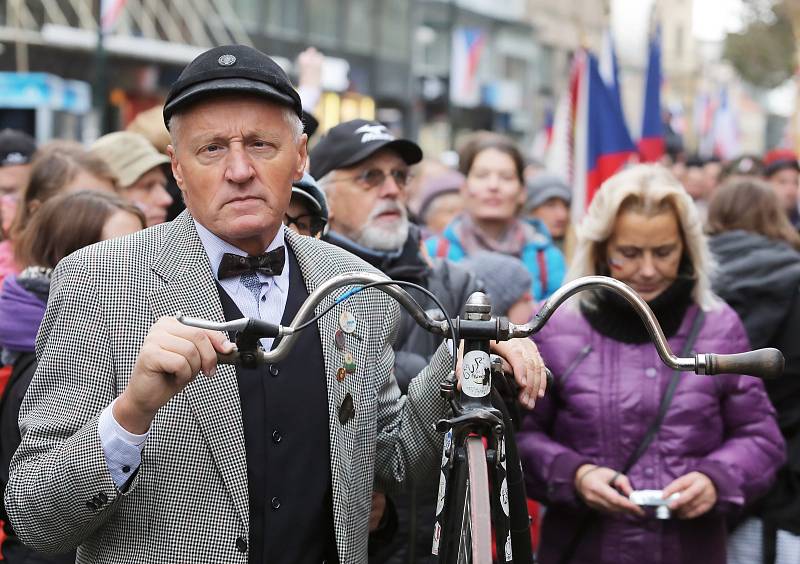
x: 259, y: 117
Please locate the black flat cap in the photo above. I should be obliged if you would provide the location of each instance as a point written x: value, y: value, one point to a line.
x: 231, y: 69
x: 351, y: 142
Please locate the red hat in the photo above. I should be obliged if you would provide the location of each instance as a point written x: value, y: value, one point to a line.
x: 780, y: 159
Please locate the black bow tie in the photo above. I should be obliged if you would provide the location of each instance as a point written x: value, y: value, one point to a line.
x: 270, y: 264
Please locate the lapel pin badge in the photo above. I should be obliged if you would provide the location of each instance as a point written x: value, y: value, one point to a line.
x: 340, y: 339
x: 349, y: 363
x: 347, y: 322
x: 340, y: 374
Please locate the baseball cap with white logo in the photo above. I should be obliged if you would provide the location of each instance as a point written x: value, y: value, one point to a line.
x: 351, y: 142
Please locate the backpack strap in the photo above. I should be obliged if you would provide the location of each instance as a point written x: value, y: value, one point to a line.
x: 442, y: 247
x: 542, y: 262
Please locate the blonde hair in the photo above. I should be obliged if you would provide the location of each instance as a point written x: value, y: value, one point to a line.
x: 650, y: 190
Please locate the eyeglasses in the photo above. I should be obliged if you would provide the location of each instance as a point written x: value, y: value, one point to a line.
x: 375, y: 177
x: 306, y: 224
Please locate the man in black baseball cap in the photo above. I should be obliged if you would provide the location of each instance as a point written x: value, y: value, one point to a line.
x: 351, y: 142
x: 363, y: 170
x: 138, y: 445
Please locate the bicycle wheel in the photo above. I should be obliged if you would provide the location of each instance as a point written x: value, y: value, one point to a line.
x: 475, y: 542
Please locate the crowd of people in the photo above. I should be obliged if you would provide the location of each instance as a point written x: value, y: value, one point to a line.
x: 100, y: 397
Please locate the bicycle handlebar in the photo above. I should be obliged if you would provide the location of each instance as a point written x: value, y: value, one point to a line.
x: 763, y: 363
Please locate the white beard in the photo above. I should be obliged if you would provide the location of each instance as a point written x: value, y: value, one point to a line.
x: 384, y: 238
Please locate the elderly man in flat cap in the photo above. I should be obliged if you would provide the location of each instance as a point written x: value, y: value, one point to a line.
x: 137, y: 446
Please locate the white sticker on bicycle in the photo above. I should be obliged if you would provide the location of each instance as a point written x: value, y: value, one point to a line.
x: 504, y: 496
x: 476, y: 381
x: 440, y: 497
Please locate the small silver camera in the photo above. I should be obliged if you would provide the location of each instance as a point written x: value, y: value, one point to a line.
x: 653, y: 498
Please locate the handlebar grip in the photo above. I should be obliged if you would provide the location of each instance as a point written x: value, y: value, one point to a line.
x: 763, y: 363
x: 230, y: 358
x: 262, y: 329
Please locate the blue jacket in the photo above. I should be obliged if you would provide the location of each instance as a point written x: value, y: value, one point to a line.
x: 541, y: 250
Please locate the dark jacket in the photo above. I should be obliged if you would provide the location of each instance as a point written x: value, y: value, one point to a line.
x: 414, y: 346
x: 760, y: 279
x: 21, y: 307
x: 605, y: 394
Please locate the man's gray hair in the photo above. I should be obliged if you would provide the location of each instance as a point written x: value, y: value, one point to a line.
x: 292, y: 121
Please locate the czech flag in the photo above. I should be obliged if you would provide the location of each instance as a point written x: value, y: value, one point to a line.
x: 651, y: 143
x: 467, y: 50
x: 609, y: 71
x: 602, y: 144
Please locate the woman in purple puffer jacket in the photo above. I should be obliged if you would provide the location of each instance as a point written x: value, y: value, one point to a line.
x: 718, y: 445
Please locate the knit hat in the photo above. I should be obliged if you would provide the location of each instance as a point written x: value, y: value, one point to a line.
x: 448, y: 182
x: 543, y: 187
x: 128, y: 154
x: 504, y: 277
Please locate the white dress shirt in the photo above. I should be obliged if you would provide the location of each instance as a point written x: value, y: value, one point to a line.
x: 122, y: 449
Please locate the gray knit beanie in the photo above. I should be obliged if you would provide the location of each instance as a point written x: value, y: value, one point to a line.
x: 544, y: 186
x: 504, y: 278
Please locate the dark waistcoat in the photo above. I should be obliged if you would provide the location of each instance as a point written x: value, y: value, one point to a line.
x: 285, y: 418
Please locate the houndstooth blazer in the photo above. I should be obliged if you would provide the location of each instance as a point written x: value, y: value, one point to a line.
x: 189, y: 500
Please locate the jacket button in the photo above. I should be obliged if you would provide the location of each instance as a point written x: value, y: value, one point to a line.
x: 91, y: 505
x: 276, y: 437
x: 275, y: 503
x: 241, y: 544
x: 103, y: 497
x: 651, y: 372
x: 649, y: 472
x: 273, y: 370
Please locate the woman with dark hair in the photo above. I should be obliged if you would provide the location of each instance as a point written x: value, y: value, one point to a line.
x: 60, y: 226
x: 493, y: 194
x: 759, y: 276
x: 59, y: 167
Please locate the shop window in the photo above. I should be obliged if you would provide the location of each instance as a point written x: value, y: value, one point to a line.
x: 323, y: 20
x: 394, y: 35
x: 284, y: 17
x: 360, y: 25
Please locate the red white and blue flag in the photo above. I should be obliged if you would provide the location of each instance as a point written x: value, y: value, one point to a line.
x: 468, y: 47
x: 651, y: 142
x: 602, y: 144
x: 609, y: 71
x: 110, y: 12
x: 726, y: 130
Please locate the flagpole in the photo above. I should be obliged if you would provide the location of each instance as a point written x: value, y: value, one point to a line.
x: 794, y: 16
x: 100, y: 87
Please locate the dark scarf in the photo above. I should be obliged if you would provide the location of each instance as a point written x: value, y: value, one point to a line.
x: 610, y: 314
x: 405, y: 263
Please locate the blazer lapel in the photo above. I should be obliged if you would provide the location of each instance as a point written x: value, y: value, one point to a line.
x: 316, y: 270
x: 189, y: 288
